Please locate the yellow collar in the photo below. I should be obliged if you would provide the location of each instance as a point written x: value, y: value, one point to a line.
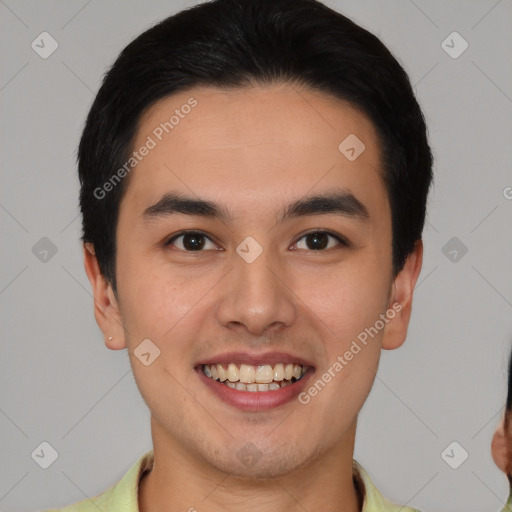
x: 124, y: 495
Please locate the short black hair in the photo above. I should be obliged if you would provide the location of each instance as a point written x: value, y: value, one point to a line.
x: 241, y: 43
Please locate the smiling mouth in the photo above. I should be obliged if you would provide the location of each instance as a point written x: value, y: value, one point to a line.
x: 247, y: 377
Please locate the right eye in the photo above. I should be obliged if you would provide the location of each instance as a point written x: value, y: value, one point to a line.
x: 190, y: 241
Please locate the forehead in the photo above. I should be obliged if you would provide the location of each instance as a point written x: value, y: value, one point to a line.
x: 252, y: 145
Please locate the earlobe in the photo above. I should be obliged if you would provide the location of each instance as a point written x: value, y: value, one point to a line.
x: 401, y: 299
x: 106, y: 309
x: 500, y: 447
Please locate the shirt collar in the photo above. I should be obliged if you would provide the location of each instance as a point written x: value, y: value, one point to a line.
x: 124, y: 495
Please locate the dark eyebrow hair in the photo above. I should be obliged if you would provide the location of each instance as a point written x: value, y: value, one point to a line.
x: 173, y: 202
x: 344, y: 203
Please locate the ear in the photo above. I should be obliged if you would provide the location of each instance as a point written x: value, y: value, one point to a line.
x: 106, y: 309
x: 401, y: 299
x: 500, y: 446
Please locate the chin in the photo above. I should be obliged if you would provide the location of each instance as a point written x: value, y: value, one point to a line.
x: 248, y: 462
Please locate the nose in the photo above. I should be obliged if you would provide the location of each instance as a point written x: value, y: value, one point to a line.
x: 255, y: 297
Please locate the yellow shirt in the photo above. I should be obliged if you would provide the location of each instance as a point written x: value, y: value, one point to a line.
x: 122, y: 497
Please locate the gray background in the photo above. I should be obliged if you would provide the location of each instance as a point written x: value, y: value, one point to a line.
x: 58, y: 382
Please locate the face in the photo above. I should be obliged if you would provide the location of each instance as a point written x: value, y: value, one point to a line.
x: 288, y: 263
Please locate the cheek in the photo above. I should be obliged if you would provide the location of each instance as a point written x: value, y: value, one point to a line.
x: 348, y: 301
x: 154, y: 300
x: 161, y: 308
x: 350, y: 305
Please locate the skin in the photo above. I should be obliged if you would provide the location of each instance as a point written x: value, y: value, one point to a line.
x: 501, y: 446
x: 253, y: 150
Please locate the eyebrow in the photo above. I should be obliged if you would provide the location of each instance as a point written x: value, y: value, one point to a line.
x: 342, y: 203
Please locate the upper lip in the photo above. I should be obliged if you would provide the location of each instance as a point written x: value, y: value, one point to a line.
x: 270, y: 358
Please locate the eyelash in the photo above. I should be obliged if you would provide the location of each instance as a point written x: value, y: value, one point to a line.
x: 342, y: 240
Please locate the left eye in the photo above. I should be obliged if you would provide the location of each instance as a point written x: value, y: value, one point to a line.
x: 191, y: 241
x: 319, y: 240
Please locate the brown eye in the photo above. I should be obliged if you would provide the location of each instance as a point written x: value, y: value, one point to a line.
x: 191, y: 241
x: 320, y: 240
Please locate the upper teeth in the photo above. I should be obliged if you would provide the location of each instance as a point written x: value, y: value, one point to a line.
x: 249, y: 374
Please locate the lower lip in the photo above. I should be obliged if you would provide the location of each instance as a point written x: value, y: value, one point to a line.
x: 255, y: 400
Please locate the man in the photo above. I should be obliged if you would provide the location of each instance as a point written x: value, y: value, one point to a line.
x: 254, y: 177
x: 501, y: 447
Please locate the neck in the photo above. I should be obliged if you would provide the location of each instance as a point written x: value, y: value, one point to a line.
x: 190, y: 483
